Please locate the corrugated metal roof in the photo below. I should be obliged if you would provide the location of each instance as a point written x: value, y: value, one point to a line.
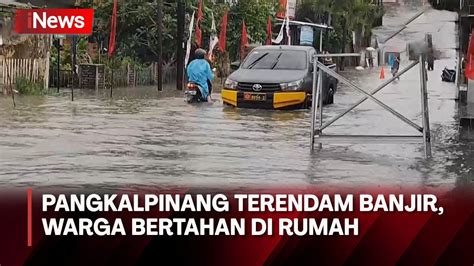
x: 301, y: 23
x: 13, y: 4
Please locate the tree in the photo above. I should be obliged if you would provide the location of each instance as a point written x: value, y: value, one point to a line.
x: 346, y: 16
x: 137, y: 28
x: 255, y: 14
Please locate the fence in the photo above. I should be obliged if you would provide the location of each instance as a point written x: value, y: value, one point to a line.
x: 134, y: 75
x: 121, y: 77
x: 318, y: 125
x: 65, y: 78
x: 38, y: 70
x: 125, y: 76
x: 33, y: 69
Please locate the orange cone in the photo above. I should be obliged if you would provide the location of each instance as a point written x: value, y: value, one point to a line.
x: 382, y: 73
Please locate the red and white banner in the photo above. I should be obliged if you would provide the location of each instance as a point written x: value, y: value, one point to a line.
x: 188, y: 44
x: 113, y: 29
x: 287, y: 8
x: 214, y: 40
x: 223, y: 32
x: 54, y: 21
x: 289, y: 226
x: 244, y: 41
x: 268, y: 41
x: 198, y: 25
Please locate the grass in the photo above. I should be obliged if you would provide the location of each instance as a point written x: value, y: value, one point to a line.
x: 25, y: 86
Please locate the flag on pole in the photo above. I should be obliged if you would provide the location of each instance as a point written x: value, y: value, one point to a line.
x: 287, y: 16
x: 269, y: 31
x: 113, y: 29
x: 198, y: 25
x: 469, y: 71
x: 288, y: 30
x: 244, y: 41
x: 214, y: 40
x: 223, y: 33
x: 279, y: 38
x: 188, y: 44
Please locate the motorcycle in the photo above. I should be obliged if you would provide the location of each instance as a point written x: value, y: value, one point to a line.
x: 448, y: 75
x: 192, y: 93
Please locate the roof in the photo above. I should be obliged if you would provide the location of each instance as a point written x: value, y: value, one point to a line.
x: 13, y: 4
x: 49, y: 3
x: 285, y: 47
x: 301, y: 23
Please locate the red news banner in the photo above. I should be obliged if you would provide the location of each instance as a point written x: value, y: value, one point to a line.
x: 237, y: 227
x: 54, y: 21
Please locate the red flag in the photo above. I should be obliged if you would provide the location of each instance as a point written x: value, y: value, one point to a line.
x: 469, y: 71
x: 223, y: 33
x: 282, y: 9
x: 113, y: 29
x: 198, y: 25
x: 244, y: 41
x: 269, y: 32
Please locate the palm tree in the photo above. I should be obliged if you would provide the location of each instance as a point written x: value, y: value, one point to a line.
x: 316, y: 11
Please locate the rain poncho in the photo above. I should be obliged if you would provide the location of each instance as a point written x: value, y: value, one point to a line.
x: 391, y: 60
x: 199, y: 72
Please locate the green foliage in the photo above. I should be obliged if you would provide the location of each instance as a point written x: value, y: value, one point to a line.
x: 255, y: 15
x: 137, y: 28
x: 346, y: 16
x: 25, y: 86
x: 66, y: 55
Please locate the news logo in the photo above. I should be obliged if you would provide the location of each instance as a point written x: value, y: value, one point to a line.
x: 54, y: 21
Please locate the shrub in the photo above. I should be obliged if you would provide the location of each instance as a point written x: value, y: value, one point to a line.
x: 25, y: 86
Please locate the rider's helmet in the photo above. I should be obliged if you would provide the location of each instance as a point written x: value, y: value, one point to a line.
x: 200, y: 53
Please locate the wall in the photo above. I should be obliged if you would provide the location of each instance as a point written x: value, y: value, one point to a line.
x: 91, y: 76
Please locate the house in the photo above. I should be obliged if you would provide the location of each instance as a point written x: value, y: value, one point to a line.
x: 25, y: 56
x: 389, y: 1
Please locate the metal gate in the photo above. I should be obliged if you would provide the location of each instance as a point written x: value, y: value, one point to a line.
x: 318, y: 125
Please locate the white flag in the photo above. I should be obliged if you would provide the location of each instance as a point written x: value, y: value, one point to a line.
x: 279, y: 38
x: 288, y: 22
x: 188, y: 45
x: 214, y: 39
x: 288, y: 29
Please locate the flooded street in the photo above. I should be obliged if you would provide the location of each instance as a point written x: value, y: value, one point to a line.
x: 145, y: 137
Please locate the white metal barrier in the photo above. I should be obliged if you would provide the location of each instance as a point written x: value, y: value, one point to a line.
x: 318, y: 125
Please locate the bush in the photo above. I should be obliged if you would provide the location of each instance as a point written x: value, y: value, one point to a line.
x: 25, y: 86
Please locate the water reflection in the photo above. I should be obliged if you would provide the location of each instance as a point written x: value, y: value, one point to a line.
x: 146, y: 137
x: 160, y: 140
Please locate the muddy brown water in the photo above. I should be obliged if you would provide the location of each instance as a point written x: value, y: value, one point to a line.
x: 145, y: 137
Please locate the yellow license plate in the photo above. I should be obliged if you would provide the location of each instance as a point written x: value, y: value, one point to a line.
x: 261, y: 97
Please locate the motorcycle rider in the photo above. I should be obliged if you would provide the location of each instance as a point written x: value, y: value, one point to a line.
x: 199, y: 72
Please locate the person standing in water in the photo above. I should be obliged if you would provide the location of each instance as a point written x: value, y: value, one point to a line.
x: 396, y: 66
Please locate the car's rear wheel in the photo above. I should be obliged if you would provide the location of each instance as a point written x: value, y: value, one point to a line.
x: 330, y: 96
x: 307, y: 102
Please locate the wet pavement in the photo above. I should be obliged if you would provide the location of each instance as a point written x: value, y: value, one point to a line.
x: 145, y: 137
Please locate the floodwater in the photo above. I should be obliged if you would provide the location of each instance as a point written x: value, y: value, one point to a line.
x: 145, y: 137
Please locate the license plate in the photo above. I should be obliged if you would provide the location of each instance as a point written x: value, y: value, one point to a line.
x: 255, y: 97
x: 193, y: 92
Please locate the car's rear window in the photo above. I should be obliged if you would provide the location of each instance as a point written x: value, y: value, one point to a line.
x: 276, y: 59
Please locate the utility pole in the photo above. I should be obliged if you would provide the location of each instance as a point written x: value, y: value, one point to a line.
x: 58, y: 47
x: 74, y: 63
x: 180, y: 45
x: 160, y: 45
x: 100, y: 49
